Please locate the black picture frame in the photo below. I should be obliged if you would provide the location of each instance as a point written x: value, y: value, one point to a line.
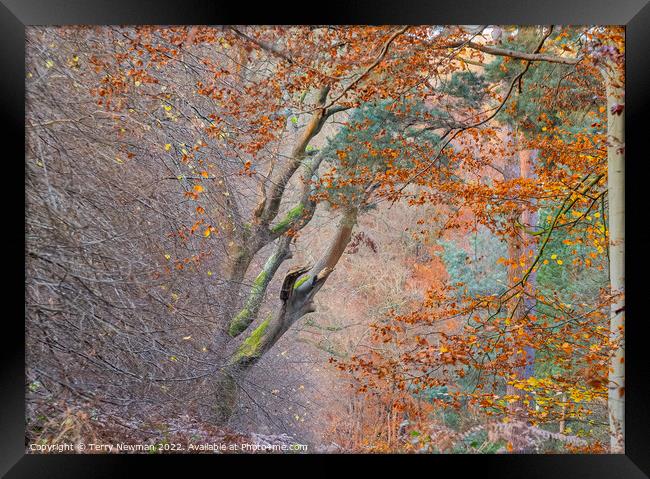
x: 15, y: 15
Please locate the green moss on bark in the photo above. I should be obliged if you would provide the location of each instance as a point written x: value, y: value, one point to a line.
x: 247, y: 315
x: 250, y: 348
x: 292, y: 215
x: 240, y: 322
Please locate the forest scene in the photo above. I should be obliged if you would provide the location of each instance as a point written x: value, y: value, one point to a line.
x: 325, y: 239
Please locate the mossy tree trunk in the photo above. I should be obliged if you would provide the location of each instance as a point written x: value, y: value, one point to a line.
x: 298, y: 300
x: 246, y: 240
x: 246, y: 237
x: 295, y: 219
x: 297, y: 295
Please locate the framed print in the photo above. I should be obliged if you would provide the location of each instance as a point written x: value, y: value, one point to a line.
x: 379, y: 232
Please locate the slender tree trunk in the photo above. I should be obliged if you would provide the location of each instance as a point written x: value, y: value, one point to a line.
x: 563, y: 414
x: 616, y: 196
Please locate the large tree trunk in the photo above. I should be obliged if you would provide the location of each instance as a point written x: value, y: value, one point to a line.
x: 521, y: 249
x: 529, y: 221
x: 297, y: 295
x: 616, y: 195
x: 255, y: 235
x: 295, y: 219
x: 246, y: 239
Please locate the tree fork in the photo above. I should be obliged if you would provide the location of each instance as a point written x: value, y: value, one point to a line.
x: 297, y: 300
x: 248, y: 313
